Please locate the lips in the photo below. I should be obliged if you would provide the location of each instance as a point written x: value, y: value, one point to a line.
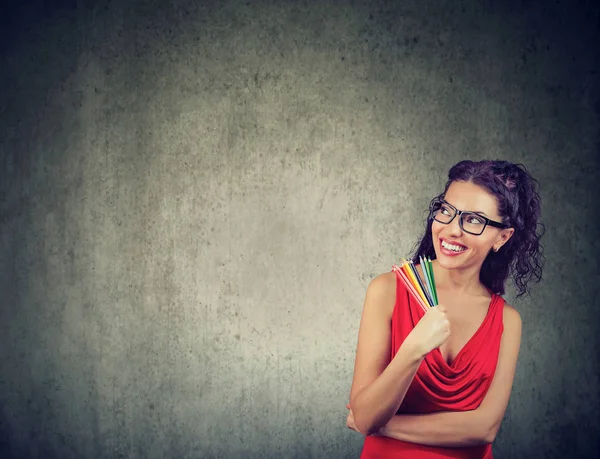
x: 451, y: 253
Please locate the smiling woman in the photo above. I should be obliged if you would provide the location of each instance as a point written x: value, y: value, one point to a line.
x: 436, y: 384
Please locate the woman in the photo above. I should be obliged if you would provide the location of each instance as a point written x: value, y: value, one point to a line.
x: 436, y: 384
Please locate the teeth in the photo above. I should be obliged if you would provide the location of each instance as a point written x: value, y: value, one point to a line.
x: 452, y: 247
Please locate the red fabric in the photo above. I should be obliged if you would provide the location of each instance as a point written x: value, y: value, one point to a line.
x: 439, y: 386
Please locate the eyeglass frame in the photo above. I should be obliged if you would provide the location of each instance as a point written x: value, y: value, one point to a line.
x: 487, y: 221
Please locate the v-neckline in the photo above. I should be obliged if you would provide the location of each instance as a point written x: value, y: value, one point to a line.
x: 458, y: 354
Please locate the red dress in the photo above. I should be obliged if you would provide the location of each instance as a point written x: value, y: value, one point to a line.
x: 439, y: 386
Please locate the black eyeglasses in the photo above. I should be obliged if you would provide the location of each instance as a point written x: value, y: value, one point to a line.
x: 470, y: 222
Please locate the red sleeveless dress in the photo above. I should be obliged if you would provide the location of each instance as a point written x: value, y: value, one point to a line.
x: 439, y: 386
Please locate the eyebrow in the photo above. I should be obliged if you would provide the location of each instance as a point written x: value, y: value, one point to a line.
x: 472, y: 211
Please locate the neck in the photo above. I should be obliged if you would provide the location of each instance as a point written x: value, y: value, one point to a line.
x: 459, y: 281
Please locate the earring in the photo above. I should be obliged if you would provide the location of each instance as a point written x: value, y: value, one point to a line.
x: 496, y: 249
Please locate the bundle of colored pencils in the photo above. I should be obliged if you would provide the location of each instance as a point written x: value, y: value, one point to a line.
x: 423, y: 290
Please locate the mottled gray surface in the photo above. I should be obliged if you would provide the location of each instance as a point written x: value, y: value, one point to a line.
x: 195, y: 198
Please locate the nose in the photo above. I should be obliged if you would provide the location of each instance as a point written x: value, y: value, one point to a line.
x: 453, y: 228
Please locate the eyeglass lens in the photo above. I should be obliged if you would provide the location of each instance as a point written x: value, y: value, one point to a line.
x: 471, y: 223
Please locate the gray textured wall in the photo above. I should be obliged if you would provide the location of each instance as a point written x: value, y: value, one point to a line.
x: 195, y: 198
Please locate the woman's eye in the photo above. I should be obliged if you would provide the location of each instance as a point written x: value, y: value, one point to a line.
x: 475, y: 220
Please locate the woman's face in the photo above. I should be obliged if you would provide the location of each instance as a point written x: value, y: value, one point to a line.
x: 468, y: 197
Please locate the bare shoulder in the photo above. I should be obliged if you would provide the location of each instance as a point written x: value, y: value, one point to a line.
x: 382, y: 291
x: 512, y: 319
x: 384, y: 283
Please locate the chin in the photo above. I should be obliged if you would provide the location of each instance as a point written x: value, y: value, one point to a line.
x: 447, y: 264
x: 443, y: 262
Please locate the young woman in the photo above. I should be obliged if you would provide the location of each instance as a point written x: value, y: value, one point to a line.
x: 436, y: 384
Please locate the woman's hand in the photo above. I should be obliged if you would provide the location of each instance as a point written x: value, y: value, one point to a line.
x: 431, y: 331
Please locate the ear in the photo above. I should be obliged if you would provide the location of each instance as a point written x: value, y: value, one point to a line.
x: 505, y: 235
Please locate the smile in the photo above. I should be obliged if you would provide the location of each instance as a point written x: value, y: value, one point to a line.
x: 453, y: 247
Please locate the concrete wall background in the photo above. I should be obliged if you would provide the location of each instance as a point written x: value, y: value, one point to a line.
x: 194, y: 198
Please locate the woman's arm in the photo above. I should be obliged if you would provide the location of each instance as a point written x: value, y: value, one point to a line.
x: 379, y: 386
x: 448, y: 428
x: 468, y: 428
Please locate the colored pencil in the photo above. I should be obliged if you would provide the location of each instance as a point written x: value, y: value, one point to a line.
x: 422, y: 287
x: 430, y: 279
x: 409, y: 286
x: 430, y: 264
x: 416, y: 283
x: 426, y: 274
